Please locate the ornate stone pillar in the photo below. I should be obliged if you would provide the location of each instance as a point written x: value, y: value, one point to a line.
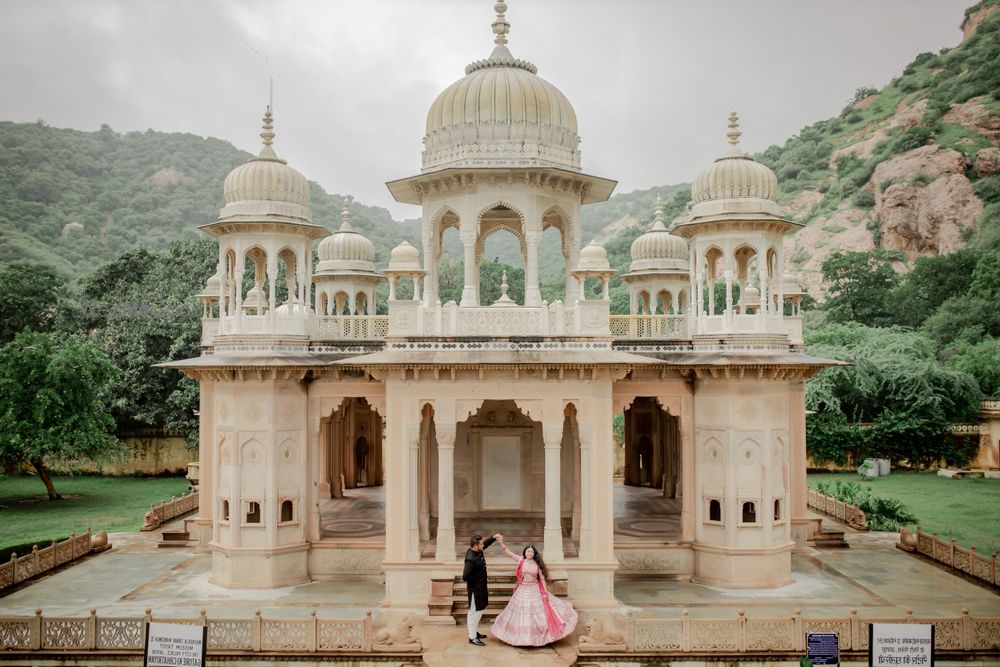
x: 552, y: 436
x: 469, y: 291
x: 445, y: 549
x: 413, y: 492
x: 532, y: 293
x: 323, y: 460
x: 430, y: 266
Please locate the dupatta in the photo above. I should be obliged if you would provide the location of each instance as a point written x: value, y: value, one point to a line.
x: 552, y: 619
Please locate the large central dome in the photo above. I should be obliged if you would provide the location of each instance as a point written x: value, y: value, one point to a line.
x: 501, y: 114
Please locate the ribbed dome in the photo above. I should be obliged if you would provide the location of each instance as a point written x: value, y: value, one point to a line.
x: 735, y: 176
x: 345, y: 250
x: 501, y: 114
x: 593, y: 257
x: 266, y: 177
x: 404, y: 258
x: 658, y: 249
x: 212, y: 287
x: 791, y: 285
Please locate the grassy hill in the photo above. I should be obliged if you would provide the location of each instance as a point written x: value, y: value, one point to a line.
x: 77, y: 199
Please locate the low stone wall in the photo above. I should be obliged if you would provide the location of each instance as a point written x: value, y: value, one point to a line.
x: 151, y: 454
x: 39, y: 561
x: 170, y: 509
x: 759, y: 637
x: 24, y: 637
x: 966, y: 560
x: 852, y: 515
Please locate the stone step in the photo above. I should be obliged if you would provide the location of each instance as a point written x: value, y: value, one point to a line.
x: 830, y: 539
x: 175, y: 535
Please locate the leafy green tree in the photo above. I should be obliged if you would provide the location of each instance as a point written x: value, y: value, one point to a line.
x: 931, y: 282
x: 894, y: 382
x: 859, y: 284
x: 53, y: 397
x: 980, y: 360
x: 973, y: 315
x: 31, y: 291
x: 142, y: 311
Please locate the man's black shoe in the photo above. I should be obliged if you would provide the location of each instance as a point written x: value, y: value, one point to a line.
x: 480, y: 635
x: 477, y: 641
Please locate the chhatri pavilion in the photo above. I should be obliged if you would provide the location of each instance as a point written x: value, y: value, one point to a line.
x: 337, y: 442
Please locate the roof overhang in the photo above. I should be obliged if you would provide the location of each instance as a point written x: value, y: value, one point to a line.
x: 592, y: 189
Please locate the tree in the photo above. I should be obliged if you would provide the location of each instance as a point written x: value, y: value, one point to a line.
x: 931, y: 282
x: 30, y: 291
x: 859, y: 284
x: 52, y: 396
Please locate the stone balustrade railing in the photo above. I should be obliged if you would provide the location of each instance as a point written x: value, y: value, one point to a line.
x: 969, y: 429
x: 93, y: 634
x: 350, y: 327
x: 22, y: 568
x: 852, y: 515
x: 170, y: 509
x: 753, y: 635
x: 990, y: 404
x: 966, y: 560
x: 649, y: 326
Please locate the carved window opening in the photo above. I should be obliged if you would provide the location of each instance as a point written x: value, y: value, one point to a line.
x: 287, y: 511
x: 749, y: 514
x: 777, y: 509
x: 253, y: 512
x: 225, y: 510
x: 715, y: 510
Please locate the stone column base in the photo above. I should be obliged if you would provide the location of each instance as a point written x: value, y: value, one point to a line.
x: 259, y: 568
x: 804, y: 529
x: 743, y: 567
x: 408, y: 585
x: 591, y: 585
x: 200, y: 531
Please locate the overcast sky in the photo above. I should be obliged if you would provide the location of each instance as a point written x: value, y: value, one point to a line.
x: 652, y: 81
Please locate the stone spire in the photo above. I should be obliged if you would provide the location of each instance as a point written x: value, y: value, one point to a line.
x: 267, y: 136
x: 501, y: 28
x: 734, y: 134
x: 345, y: 215
x: 658, y: 219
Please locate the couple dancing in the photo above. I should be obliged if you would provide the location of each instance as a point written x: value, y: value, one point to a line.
x: 533, y: 617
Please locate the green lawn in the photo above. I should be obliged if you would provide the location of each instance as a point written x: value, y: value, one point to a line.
x: 108, y: 503
x: 964, y: 509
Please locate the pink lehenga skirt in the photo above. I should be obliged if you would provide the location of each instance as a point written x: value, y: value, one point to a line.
x: 524, y: 621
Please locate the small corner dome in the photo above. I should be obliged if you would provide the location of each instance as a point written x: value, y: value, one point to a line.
x: 659, y: 249
x: 289, y: 308
x: 213, y: 286
x: 404, y: 258
x: 791, y: 285
x: 735, y: 176
x: 593, y: 257
x: 266, y: 177
x: 347, y: 246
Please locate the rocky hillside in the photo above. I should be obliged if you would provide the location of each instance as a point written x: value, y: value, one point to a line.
x: 912, y: 168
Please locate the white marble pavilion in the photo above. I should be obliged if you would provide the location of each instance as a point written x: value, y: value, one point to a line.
x: 462, y: 416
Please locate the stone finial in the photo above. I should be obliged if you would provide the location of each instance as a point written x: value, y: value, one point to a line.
x: 345, y: 214
x: 268, y: 135
x: 504, y: 287
x: 501, y: 28
x: 658, y: 219
x: 734, y: 133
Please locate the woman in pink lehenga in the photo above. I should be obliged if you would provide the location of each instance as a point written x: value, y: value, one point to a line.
x: 533, y: 617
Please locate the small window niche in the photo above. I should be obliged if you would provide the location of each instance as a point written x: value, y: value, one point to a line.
x: 714, y: 512
x: 287, y: 514
x: 748, y: 513
x: 779, y: 511
x: 253, y: 512
x: 225, y: 511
